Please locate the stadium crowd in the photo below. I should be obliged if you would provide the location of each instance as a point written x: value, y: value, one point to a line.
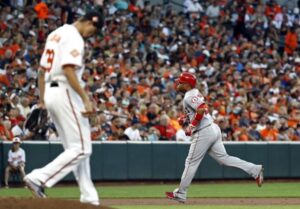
x: 245, y: 54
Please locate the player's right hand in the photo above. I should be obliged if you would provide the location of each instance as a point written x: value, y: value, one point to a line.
x: 89, y: 110
x: 42, y: 105
x: 182, y: 120
x: 189, y: 130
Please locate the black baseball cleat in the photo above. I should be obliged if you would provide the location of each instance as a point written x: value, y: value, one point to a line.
x: 36, y: 190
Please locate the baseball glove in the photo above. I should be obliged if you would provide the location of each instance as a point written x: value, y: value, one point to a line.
x: 36, y: 120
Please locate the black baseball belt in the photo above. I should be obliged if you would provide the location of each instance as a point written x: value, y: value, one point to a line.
x: 54, y: 84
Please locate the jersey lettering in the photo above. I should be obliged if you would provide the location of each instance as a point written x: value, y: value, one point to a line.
x: 50, y: 53
x: 55, y: 38
x: 197, y: 99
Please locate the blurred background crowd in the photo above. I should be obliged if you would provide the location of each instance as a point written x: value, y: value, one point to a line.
x: 245, y: 54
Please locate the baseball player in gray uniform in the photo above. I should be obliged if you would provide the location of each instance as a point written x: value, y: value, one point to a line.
x: 206, y: 137
x: 62, y: 93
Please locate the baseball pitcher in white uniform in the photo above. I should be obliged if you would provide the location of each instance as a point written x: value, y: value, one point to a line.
x: 206, y: 137
x: 62, y: 93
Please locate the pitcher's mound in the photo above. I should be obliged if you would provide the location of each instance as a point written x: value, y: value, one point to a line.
x: 33, y: 203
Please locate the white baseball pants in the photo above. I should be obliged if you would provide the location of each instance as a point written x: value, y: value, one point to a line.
x: 65, y: 107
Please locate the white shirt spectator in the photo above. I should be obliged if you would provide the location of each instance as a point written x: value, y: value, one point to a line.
x: 213, y: 11
x: 192, y: 6
x: 180, y: 136
x: 133, y: 134
x: 291, y: 19
x: 18, y: 3
x: 260, y: 127
x: 277, y: 22
x: 166, y: 31
x: 17, y: 131
x: 31, y: 73
x: 140, y: 3
x: 112, y: 9
x: 24, y: 111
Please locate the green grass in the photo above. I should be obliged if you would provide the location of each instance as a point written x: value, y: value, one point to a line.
x: 207, y: 207
x: 274, y: 189
x: 278, y: 189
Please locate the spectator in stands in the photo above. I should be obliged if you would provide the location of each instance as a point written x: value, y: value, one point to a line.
x: 291, y: 41
x: 244, y: 52
x: 239, y: 132
x: 253, y: 134
x: 153, y: 134
x: 95, y: 129
x: 133, y: 132
x: 173, y: 115
x: 16, y: 161
x: 213, y: 11
x: 193, y: 8
x: 152, y: 114
x: 18, y: 4
x: 24, y: 108
x: 41, y: 10
x: 270, y: 133
x: 166, y: 130
x: 227, y: 129
x: 14, y: 101
x: 52, y: 134
x: 142, y: 115
x: 297, y: 132
x: 181, y: 136
x: 18, y: 128
x: 261, y: 123
x: 287, y: 134
x: 5, y: 129
x: 117, y: 130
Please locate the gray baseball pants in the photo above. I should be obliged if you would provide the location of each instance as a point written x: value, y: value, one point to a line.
x: 209, y: 140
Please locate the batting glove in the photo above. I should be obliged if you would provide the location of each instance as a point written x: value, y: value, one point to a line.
x: 189, y: 130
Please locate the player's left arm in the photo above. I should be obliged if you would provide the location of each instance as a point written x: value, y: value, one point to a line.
x: 200, y: 111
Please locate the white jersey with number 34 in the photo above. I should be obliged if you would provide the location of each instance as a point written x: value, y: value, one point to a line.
x: 64, y: 46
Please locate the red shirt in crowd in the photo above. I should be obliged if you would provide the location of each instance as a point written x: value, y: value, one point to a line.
x: 166, y: 131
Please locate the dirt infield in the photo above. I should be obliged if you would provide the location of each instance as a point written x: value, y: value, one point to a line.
x: 205, y: 201
x: 32, y: 203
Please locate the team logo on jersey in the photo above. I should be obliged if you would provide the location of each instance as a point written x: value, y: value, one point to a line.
x: 195, y: 99
x: 74, y: 53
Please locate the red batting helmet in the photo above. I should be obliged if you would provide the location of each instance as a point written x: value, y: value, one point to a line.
x: 187, y: 77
